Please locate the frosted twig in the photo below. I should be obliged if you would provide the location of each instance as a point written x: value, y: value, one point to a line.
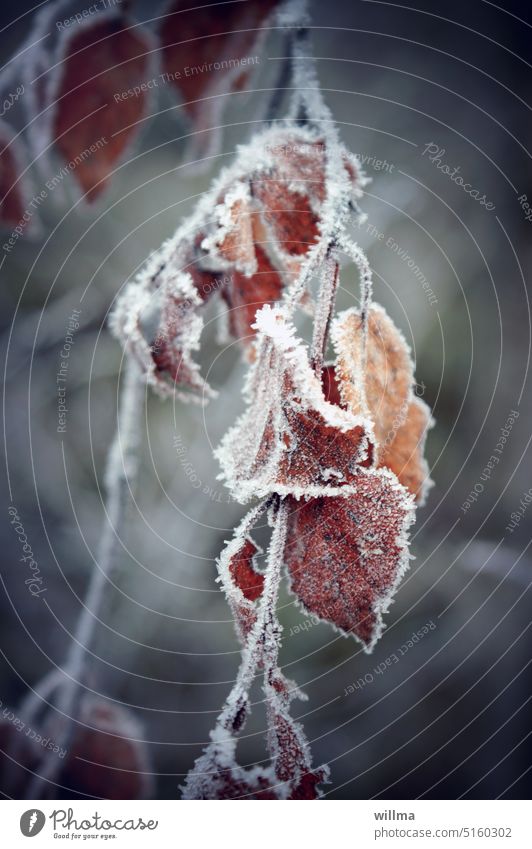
x: 281, y: 84
x: 366, y: 288
x: 260, y: 640
x: 122, y: 467
x: 308, y: 100
x: 324, y: 310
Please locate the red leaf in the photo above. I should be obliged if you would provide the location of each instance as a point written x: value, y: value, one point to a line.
x: 12, y: 187
x: 345, y: 555
x: 307, y: 789
x: 289, y: 214
x: 18, y: 756
x: 243, y: 572
x: 331, y: 390
x: 99, y: 60
x: 103, y: 760
x: 201, y: 50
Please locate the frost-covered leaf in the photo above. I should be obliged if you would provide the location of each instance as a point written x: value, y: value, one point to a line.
x: 242, y: 581
x: 405, y: 453
x: 288, y: 746
x: 105, y: 758
x: 162, y: 331
x: 345, y: 555
x: 290, y: 775
x: 217, y: 775
x: 232, y: 247
x: 290, y: 440
x: 377, y: 379
x: 243, y: 572
x: 207, y: 53
x: 103, y: 57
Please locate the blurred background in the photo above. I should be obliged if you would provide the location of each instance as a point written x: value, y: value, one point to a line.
x: 451, y: 717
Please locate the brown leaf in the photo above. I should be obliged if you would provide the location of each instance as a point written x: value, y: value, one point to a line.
x: 201, y: 52
x: 12, y: 187
x: 99, y: 60
x: 400, y: 419
x: 290, y: 440
x: 247, y: 241
x: 18, y: 755
x: 103, y: 759
x: 345, y: 555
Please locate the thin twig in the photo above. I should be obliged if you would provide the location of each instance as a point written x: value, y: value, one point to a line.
x: 121, y: 472
x: 266, y: 613
x: 324, y: 311
x: 281, y: 84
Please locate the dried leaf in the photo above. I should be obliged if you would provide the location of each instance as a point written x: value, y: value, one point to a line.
x: 290, y: 440
x: 216, y: 777
x: 201, y: 52
x: 106, y: 758
x: 386, y: 395
x: 346, y: 555
x: 244, y: 573
x: 100, y: 58
x: 230, y: 247
x: 13, y: 189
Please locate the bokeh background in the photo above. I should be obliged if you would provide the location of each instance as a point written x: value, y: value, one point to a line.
x: 452, y: 717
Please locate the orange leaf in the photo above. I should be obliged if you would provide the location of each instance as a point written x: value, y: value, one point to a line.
x: 386, y: 394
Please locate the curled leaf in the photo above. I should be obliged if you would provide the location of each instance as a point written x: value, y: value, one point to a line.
x: 231, y: 247
x: 290, y: 440
x: 244, y: 573
x: 242, y: 581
